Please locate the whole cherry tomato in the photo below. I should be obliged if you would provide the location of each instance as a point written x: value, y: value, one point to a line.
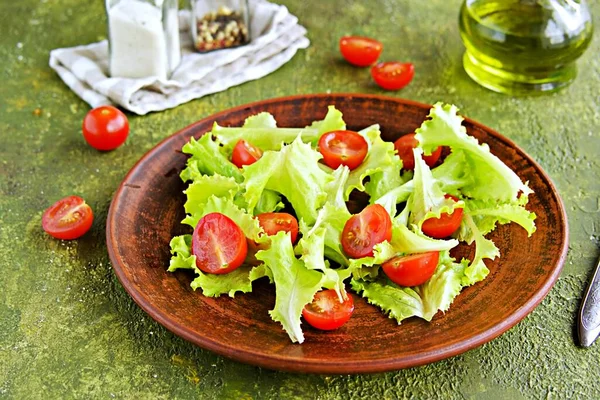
x: 105, y: 128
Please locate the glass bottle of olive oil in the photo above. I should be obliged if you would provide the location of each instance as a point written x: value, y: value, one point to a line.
x: 524, y: 46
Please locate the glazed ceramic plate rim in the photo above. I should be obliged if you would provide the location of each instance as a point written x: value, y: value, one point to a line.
x: 285, y: 362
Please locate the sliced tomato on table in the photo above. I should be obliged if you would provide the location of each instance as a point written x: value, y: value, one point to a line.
x: 341, y: 147
x: 245, y: 153
x: 105, y: 128
x: 364, y: 230
x: 275, y: 222
x: 218, y: 244
x: 360, y: 51
x: 68, y: 218
x: 405, y: 145
x: 445, y: 225
x: 411, y: 270
x: 326, y: 312
x: 392, y: 75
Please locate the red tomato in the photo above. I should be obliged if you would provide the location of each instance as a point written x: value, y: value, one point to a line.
x: 360, y: 51
x: 411, y: 270
x: 392, y: 75
x: 245, y: 153
x: 68, y: 218
x: 275, y: 222
x: 105, y: 128
x: 218, y: 244
x: 405, y: 145
x: 326, y: 312
x: 445, y: 225
x: 347, y: 148
x: 364, y: 230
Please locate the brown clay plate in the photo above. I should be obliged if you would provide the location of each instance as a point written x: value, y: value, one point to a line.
x: 148, y: 207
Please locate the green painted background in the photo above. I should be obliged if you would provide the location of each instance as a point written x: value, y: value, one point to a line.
x: 69, y: 330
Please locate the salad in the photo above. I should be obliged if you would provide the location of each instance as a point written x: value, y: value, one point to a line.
x: 278, y: 203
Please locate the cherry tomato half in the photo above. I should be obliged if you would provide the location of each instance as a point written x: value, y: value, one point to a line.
x: 347, y: 148
x: 68, y: 218
x: 364, y: 230
x: 411, y: 270
x: 275, y: 222
x: 245, y: 153
x: 105, y: 128
x: 360, y: 51
x: 218, y: 244
x: 326, y: 312
x: 405, y: 145
x: 445, y: 225
x: 392, y: 75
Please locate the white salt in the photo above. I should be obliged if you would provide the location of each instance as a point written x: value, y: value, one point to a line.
x: 140, y: 47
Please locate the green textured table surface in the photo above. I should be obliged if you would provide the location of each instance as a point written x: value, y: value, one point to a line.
x: 69, y: 330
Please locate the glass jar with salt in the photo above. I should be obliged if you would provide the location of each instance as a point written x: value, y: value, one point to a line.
x: 219, y: 24
x: 143, y: 38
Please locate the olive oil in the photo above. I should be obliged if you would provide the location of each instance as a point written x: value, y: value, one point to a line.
x: 524, y: 46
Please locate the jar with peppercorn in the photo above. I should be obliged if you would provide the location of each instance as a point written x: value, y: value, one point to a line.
x: 219, y: 24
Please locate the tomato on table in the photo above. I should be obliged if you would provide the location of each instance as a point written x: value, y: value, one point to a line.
x: 360, y: 51
x: 411, y: 270
x: 218, y: 244
x: 445, y: 225
x: 364, y: 230
x: 68, y: 218
x: 245, y: 153
x: 347, y: 148
x: 392, y: 75
x: 405, y: 145
x: 326, y: 312
x: 279, y: 221
x: 105, y: 128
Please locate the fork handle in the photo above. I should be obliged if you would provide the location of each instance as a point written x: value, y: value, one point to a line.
x: 589, y: 314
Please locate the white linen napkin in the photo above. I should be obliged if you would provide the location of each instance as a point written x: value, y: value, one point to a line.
x: 275, y: 38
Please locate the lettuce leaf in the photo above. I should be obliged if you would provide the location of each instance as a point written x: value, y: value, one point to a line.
x: 247, y: 223
x: 207, y: 159
x: 451, y: 175
x: 487, y: 214
x: 427, y: 199
x: 422, y: 301
x: 181, y: 255
x: 484, y: 248
x: 295, y: 285
x: 261, y: 130
x: 269, y: 201
x: 204, y: 187
x: 238, y: 280
x: 381, y: 159
x: 492, y: 179
x: 295, y: 173
x: 408, y: 241
x: 328, y: 226
x: 395, y: 301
